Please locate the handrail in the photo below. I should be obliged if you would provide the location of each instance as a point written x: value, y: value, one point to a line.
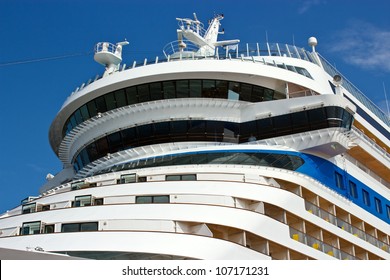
x: 331, y: 70
x: 319, y: 245
x: 325, y: 215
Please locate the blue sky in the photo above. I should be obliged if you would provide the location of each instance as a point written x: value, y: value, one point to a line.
x: 46, y: 51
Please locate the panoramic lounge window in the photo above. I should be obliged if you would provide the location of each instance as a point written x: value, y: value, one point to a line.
x: 168, y: 90
x: 84, y: 200
x: 209, y: 131
x: 31, y: 228
x: 152, y: 199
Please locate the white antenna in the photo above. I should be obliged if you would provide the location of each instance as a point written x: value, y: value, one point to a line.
x: 387, y: 103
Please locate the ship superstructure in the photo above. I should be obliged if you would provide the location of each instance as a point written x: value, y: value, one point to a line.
x: 218, y: 150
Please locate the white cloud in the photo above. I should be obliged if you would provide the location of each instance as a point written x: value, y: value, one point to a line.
x: 308, y: 4
x: 364, y: 45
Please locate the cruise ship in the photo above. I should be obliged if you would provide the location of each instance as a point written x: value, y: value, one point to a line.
x: 214, y: 150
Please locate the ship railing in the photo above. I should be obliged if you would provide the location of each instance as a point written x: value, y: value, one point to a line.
x: 248, y: 51
x: 332, y: 71
x: 105, y: 47
x: 367, y: 170
x: 319, y: 245
x: 372, y: 143
x: 325, y: 215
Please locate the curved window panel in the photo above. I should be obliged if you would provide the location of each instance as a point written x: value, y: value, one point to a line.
x: 277, y: 160
x: 211, y: 131
x: 168, y: 90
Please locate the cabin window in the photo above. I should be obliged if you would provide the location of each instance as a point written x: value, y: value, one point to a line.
x: 378, y: 205
x: 182, y: 177
x: 49, y: 229
x: 353, y: 189
x: 76, y: 227
x: 128, y: 178
x: 366, y: 197
x: 76, y: 185
x: 98, y: 201
x: 31, y: 228
x: 152, y: 199
x: 29, y: 208
x: 84, y: 200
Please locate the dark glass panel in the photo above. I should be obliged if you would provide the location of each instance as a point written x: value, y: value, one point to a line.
x: 214, y: 130
x: 155, y: 91
x: 92, y: 152
x: 208, y: 90
x: 78, y: 117
x: 143, y: 199
x: 257, y: 94
x: 300, y: 121
x: 161, y: 199
x: 197, y: 128
x: 265, y: 128
x: 89, y: 226
x: 169, y: 90
x: 110, y: 101
x: 248, y: 130
x: 73, y: 121
x: 268, y: 94
x: 162, y: 129
x: 195, y: 88
x: 234, y: 91
x: 188, y: 177
x: 172, y: 178
x: 143, y: 93
x: 144, y: 131
x: 70, y: 228
x: 69, y: 127
x: 84, y: 157
x: 102, y: 146
x: 84, y: 112
x: 246, y: 92
x: 120, y: 97
x: 282, y: 124
x: 115, y: 142
x: 179, y: 130
x: 129, y: 138
x: 131, y: 94
x: 221, y: 89
x: 316, y: 115
x: 182, y: 89
x: 101, y: 104
x: 92, y: 108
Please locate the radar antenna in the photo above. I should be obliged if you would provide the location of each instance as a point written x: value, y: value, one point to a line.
x: 109, y: 55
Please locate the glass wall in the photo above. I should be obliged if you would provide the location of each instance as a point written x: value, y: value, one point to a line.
x: 271, y: 159
x: 213, y: 131
x: 168, y: 90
